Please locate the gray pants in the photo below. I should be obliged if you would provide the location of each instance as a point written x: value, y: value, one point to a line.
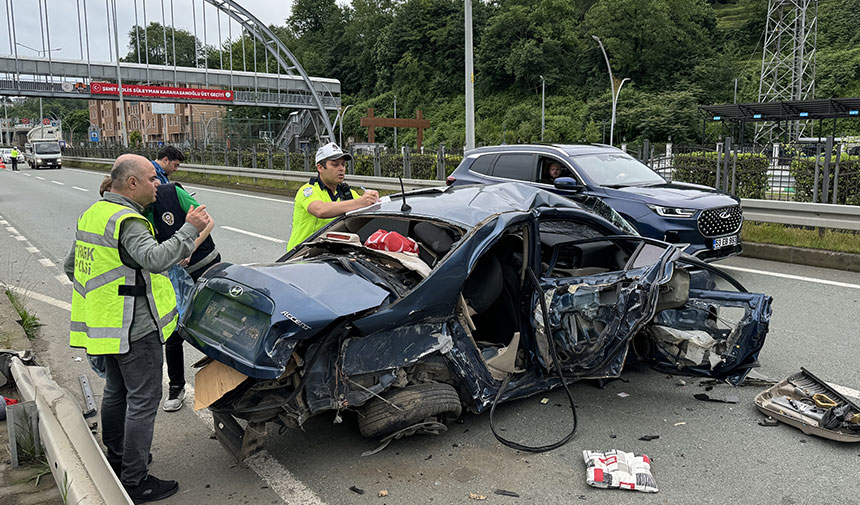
x: 131, y: 397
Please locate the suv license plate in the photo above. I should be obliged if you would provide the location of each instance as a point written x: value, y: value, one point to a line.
x: 721, y: 242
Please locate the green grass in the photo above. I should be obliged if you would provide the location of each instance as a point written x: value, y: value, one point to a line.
x: 29, y: 321
x: 827, y: 240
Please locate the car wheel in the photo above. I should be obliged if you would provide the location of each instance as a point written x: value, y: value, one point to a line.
x: 414, y: 404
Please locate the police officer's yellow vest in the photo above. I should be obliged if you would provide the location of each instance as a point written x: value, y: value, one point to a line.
x: 105, y: 288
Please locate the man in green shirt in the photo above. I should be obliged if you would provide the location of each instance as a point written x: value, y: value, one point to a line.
x: 326, y: 196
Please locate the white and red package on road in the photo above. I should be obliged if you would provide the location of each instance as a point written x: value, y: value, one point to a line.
x: 617, y: 469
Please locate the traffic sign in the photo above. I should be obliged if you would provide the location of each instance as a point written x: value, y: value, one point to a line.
x: 94, y: 135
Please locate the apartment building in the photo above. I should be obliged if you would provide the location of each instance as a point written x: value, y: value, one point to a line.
x: 189, y: 123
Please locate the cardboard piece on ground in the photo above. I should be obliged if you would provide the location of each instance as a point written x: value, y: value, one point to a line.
x: 214, y: 381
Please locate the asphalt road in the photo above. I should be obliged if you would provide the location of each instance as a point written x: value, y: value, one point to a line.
x: 708, y: 453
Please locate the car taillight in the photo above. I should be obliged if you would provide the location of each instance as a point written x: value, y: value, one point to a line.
x: 450, y: 180
x: 337, y: 236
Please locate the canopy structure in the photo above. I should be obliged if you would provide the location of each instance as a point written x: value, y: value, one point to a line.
x: 832, y: 108
x: 798, y: 110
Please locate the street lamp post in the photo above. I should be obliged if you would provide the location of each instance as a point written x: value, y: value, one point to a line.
x: 612, y: 89
x: 342, y: 114
x: 206, y: 133
x: 40, y: 52
x: 542, y: 115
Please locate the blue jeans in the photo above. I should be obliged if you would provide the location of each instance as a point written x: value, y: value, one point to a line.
x: 131, y: 397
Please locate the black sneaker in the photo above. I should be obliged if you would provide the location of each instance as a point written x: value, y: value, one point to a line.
x: 152, y: 489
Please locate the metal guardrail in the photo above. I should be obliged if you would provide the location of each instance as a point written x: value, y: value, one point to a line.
x: 824, y: 215
x: 372, y: 182
x: 844, y: 217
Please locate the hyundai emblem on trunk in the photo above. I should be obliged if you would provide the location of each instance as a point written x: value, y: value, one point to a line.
x: 236, y: 291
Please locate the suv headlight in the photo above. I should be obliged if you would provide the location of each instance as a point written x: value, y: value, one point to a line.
x: 59, y: 160
x: 672, y: 211
x: 38, y: 160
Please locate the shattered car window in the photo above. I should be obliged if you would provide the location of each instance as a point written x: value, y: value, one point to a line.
x: 603, y: 210
x: 571, y: 229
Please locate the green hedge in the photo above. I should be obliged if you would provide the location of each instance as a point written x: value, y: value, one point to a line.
x: 848, y: 192
x: 701, y: 168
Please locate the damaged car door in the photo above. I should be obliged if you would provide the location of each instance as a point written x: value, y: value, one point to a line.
x: 716, y: 333
x: 664, y: 302
x: 599, y: 293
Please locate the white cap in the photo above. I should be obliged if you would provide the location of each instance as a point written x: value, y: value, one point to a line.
x: 331, y: 151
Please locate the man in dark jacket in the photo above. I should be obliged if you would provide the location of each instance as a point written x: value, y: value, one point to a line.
x: 167, y: 215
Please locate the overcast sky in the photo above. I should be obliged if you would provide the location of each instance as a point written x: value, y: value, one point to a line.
x: 62, y: 20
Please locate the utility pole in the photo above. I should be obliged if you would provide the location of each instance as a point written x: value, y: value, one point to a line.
x: 470, y: 81
x: 542, y: 115
x: 119, y: 80
x: 41, y: 120
x: 6, y: 138
x: 395, y: 128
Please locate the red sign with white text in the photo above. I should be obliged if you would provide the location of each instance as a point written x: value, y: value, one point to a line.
x: 108, y: 88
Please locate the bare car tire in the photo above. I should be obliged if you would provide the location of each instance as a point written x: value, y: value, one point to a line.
x: 417, y: 402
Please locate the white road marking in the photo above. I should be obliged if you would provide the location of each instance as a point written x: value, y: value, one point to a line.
x: 12, y: 230
x: 4, y: 222
x: 42, y: 298
x: 197, y: 188
x: 46, y: 262
x: 252, y: 234
x: 791, y: 277
x: 40, y: 178
x: 59, y: 183
x: 32, y: 250
x: 20, y: 238
x: 63, y: 279
x: 287, y: 202
x: 845, y: 390
x: 79, y: 189
x: 278, y: 478
x: 28, y: 175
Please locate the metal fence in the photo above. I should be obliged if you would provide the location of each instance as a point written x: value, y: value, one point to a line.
x: 407, y: 164
x: 826, y: 172
x: 817, y: 172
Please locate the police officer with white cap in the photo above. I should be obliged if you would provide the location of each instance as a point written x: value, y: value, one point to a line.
x: 326, y: 196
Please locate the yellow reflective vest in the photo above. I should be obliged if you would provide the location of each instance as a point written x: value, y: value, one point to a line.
x: 105, y: 288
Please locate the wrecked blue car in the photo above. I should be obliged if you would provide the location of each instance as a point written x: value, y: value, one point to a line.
x: 513, y: 291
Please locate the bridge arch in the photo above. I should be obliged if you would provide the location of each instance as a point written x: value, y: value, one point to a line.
x: 262, y: 33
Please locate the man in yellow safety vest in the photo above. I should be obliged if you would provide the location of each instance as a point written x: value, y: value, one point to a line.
x: 124, y: 307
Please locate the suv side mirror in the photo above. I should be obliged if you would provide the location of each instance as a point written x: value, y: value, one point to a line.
x: 568, y: 184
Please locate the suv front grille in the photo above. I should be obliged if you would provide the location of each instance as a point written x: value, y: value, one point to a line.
x: 721, y: 221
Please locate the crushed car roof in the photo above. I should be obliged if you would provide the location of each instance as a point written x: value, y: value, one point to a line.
x: 469, y: 205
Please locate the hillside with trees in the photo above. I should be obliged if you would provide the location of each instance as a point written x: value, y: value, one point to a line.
x: 679, y: 55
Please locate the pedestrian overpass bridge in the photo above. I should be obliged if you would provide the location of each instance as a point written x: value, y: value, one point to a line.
x: 289, y: 87
x: 58, y: 78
